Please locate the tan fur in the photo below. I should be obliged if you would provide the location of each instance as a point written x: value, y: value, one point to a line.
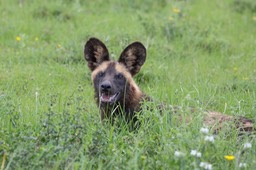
x: 100, y: 68
x: 132, y: 58
x: 98, y: 53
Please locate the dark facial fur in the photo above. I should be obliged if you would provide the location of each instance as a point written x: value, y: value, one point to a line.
x: 110, y: 86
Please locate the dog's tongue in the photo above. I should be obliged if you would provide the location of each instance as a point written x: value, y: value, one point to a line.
x: 108, y: 98
x: 105, y: 97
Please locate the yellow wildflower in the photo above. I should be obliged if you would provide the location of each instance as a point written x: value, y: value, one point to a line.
x: 59, y: 46
x: 254, y: 18
x: 229, y: 157
x: 18, y: 38
x: 36, y: 39
x: 176, y: 10
x: 235, y: 68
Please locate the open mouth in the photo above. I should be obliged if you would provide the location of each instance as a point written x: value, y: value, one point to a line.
x: 107, y: 98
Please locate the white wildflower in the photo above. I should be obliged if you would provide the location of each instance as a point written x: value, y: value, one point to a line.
x: 209, y: 138
x: 247, y: 145
x: 195, y: 153
x: 242, y: 165
x: 204, y: 130
x: 202, y: 164
x: 179, y: 154
x: 188, y: 97
x: 37, y: 93
x: 206, y: 165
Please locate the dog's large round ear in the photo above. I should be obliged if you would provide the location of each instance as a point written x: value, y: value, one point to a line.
x: 133, y: 57
x: 95, y: 52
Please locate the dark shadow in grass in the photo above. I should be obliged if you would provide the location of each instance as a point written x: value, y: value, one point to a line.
x: 244, y: 5
x: 58, y: 14
x: 239, y: 86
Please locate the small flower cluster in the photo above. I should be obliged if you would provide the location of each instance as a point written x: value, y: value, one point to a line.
x: 179, y: 154
x: 22, y: 40
x: 242, y: 165
x: 202, y: 163
x: 207, y: 138
x: 247, y: 145
x: 176, y: 11
x: 204, y: 130
x: 195, y: 153
x: 206, y: 165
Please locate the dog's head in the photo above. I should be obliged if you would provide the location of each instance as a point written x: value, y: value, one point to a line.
x: 113, y: 82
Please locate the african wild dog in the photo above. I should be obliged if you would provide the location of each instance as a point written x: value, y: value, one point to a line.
x: 116, y: 92
x: 115, y: 89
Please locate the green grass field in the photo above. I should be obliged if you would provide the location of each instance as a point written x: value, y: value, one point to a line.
x: 200, y: 54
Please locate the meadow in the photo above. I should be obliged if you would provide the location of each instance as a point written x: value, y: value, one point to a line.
x: 200, y: 54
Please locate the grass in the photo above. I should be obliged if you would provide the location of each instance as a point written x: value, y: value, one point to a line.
x: 199, y: 54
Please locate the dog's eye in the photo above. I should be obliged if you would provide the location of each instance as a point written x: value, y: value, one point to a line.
x: 119, y: 76
x: 101, y: 74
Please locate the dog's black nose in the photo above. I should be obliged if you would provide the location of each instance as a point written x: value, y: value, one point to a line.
x: 105, y: 86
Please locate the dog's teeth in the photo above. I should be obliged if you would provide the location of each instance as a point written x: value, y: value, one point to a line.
x: 108, y: 98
